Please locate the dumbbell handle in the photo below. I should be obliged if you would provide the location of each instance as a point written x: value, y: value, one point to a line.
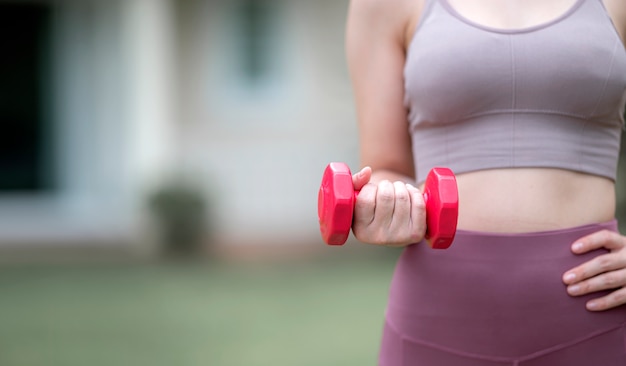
x: 337, y: 197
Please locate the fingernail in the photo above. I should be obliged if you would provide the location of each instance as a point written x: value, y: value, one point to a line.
x: 569, y: 277
x: 593, y: 305
x: 573, y: 290
x: 577, y: 246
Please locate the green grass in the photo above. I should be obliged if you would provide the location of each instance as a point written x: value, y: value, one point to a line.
x: 299, y: 314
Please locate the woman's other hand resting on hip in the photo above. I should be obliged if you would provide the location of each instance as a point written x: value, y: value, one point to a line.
x: 604, y: 272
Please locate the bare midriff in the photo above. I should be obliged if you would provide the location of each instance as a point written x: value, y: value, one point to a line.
x: 522, y: 200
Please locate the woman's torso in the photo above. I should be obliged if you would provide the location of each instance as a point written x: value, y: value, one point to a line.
x: 526, y: 199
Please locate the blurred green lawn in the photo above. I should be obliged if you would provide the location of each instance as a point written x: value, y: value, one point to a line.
x: 326, y: 313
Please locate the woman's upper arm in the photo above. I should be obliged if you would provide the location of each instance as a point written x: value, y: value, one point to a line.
x: 617, y: 12
x: 375, y: 45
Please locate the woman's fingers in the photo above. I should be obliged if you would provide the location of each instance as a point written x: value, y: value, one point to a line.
x: 391, y: 214
x: 616, y: 259
x: 602, y: 239
x: 365, y: 206
x: 614, y: 280
x: 385, y: 204
x: 604, y: 272
x: 401, y: 216
x: 612, y: 300
x: 606, y: 281
x: 418, y: 214
x: 596, y: 266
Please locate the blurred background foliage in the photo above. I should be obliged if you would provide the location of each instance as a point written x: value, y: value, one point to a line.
x: 180, y: 211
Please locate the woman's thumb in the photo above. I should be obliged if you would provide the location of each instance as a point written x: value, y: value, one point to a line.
x: 361, y: 178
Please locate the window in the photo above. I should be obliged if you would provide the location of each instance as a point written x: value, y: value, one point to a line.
x: 25, y: 161
x: 257, y: 47
x: 254, y: 16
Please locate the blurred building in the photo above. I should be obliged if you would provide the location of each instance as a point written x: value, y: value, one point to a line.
x: 104, y: 101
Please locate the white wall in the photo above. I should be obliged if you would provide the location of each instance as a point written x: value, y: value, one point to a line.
x: 262, y: 150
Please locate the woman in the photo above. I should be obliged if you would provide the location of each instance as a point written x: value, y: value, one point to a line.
x: 524, y: 100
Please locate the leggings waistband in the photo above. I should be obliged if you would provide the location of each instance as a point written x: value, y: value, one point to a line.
x: 478, y: 244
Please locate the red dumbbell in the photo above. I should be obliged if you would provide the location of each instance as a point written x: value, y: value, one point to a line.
x: 335, y: 205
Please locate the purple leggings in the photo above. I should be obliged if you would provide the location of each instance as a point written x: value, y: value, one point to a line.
x: 498, y: 299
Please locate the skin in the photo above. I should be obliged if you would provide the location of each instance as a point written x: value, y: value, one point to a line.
x: 390, y: 209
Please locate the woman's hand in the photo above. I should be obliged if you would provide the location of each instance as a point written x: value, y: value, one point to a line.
x: 604, y: 272
x: 386, y: 213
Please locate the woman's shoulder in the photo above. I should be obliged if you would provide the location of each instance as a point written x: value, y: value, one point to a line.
x: 397, y: 16
x: 617, y: 12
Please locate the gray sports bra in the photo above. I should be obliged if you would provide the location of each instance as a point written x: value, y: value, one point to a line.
x: 551, y: 95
